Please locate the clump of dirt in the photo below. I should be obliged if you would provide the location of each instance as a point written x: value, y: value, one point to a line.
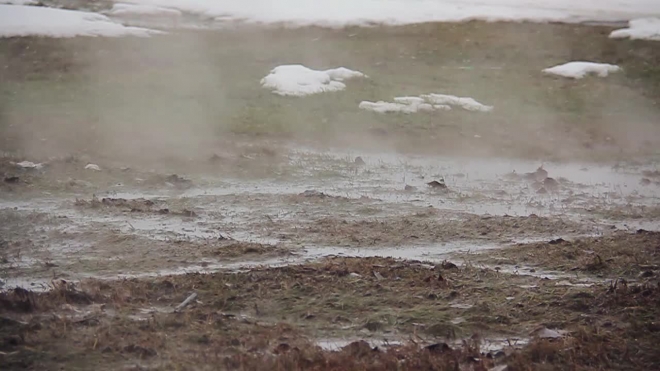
x: 137, y: 205
x: 430, y: 226
x: 311, y: 195
x: 622, y: 254
x: 237, y: 248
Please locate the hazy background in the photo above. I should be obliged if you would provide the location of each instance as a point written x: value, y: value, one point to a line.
x: 190, y: 93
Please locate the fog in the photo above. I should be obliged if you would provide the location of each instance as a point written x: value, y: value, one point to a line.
x: 193, y: 93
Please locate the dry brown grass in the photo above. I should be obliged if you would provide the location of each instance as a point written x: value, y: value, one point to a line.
x: 429, y: 226
x: 621, y: 254
x: 269, y: 318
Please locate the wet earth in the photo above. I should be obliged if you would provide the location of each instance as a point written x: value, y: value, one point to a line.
x: 120, y: 221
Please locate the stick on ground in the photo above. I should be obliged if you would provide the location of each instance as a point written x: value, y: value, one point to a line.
x: 186, y: 302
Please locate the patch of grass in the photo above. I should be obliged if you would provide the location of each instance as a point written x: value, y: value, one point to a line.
x: 271, y: 316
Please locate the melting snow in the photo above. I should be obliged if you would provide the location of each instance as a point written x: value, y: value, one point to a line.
x: 148, y: 10
x: 578, y: 70
x: 20, y: 20
x: 339, y: 13
x: 426, y: 102
x: 644, y: 28
x: 298, y: 80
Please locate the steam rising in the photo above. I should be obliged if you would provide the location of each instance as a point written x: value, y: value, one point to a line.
x: 190, y: 94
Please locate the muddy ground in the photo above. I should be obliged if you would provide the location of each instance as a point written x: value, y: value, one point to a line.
x: 535, y: 249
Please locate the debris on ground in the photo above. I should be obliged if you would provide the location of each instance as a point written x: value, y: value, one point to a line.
x: 177, y: 180
x: 359, y: 161
x: 313, y: 193
x: 409, y: 188
x: 437, y: 184
x: 448, y: 265
x: 188, y: 300
x: 12, y: 179
x: 92, y: 167
x: 539, y: 175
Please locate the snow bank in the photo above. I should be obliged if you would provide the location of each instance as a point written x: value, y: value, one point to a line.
x: 297, y: 80
x: 644, y: 28
x: 578, y: 70
x: 19, y: 20
x: 338, y: 13
x: 143, y: 10
x: 426, y: 102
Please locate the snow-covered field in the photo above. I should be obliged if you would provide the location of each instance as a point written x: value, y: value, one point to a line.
x: 351, y: 12
x: 23, y: 19
x: 18, y: 20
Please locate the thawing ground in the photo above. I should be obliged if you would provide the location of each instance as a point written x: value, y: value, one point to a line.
x: 125, y: 222
x: 272, y: 171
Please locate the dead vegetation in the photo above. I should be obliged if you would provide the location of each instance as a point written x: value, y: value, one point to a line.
x: 622, y: 254
x: 272, y: 316
x: 238, y: 248
x: 431, y: 226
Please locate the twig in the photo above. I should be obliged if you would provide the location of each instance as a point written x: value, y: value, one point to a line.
x: 186, y: 302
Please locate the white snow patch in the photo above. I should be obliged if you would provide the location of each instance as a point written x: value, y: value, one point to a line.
x: 19, y: 20
x: 643, y: 28
x: 142, y: 10
x: 426, y: 102
x: 578, y: 70
x: 298, y: 80
x: 339, y: 13
x: 466, y: 103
